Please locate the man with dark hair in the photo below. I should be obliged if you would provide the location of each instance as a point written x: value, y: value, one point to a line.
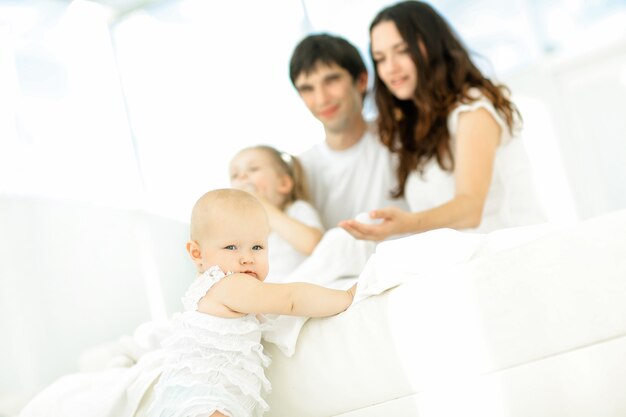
x: 351, y: 171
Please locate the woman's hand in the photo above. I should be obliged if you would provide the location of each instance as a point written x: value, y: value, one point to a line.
x: 395, y: 221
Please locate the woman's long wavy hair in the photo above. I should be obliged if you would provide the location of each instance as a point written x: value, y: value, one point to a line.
x: 417, y: 129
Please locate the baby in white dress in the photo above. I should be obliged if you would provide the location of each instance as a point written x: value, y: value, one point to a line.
x: 215, y: 360
x: 199, y: 375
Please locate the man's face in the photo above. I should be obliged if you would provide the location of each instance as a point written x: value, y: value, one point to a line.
x: 332, y: 96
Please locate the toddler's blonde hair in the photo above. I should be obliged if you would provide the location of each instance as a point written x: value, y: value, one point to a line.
x: 290, y: 166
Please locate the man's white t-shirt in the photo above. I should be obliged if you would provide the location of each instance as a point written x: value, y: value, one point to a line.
x: 351, y: 181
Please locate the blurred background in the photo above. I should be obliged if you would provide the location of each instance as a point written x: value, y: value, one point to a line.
x: 115, y: 115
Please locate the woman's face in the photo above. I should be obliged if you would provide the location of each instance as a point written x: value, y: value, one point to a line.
x: 393, y: 61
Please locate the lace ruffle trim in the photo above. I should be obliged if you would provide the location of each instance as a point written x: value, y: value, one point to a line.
x: 200, y: 399
x: 200, y: 286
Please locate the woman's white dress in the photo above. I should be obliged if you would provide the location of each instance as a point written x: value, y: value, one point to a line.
x: 511, y: 200
x: 213, y: 363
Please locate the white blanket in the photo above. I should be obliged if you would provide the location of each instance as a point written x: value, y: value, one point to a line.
x: 435, y: 252
x: 111, y: 392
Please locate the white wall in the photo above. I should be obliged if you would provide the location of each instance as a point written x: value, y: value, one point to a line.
x: 74, y: 276
x: 583, y: 95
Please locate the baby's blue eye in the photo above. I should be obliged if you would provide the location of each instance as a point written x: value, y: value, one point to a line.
x: 230, y: 247
x: 257, y: 247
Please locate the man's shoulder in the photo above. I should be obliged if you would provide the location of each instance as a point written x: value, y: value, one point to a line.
x: 372, y: 140
x: 313, y: 150
x: 312, y: 156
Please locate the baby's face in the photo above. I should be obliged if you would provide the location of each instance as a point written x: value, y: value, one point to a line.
x: 237, y: 242
x: 253, y: 170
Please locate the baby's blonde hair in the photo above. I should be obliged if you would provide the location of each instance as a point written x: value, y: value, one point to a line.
x: 290, y: 166
x: 224, y: 201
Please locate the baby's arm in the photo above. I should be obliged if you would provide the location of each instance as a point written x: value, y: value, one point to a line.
x: 244, y: 294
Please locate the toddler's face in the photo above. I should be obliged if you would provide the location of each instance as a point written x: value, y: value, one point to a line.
x: 254, y: 171
x: 237, y: 242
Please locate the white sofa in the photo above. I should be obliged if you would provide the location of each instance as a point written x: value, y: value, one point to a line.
x: 534, y: 324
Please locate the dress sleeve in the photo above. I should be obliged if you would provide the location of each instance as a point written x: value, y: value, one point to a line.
x: 480, y: 103
x: 306, y: 213
x: 200, y: 286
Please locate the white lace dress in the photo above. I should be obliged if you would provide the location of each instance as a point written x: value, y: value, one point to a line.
x: 214, y: 363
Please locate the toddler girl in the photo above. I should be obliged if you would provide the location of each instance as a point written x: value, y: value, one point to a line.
x: 277, y: 180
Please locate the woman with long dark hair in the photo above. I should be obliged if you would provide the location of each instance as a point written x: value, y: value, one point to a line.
x: 459, y: 163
